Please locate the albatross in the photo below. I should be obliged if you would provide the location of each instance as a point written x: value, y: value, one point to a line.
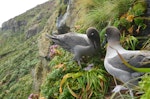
x: 115, y: 66
x: 79, y: 44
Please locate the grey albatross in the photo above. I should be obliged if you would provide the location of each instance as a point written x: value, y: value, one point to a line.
x: 114, y: 65
x: 79, y: 44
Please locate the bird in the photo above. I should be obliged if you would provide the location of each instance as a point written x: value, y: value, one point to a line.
x: 79, y: 44
x: 115, y: 66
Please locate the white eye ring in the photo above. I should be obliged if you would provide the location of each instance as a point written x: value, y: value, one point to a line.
x: 92, y: 34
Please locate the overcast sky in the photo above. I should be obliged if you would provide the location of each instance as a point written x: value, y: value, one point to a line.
x: 12, y: 8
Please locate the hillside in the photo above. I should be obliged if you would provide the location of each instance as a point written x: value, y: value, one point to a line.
x: 27, y: 65
x: 19, y: 51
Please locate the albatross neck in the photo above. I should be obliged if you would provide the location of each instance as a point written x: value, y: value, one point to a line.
x: 112, y: 47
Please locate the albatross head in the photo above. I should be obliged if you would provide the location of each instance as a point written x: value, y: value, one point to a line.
x: 112, y: 34
x: 93, y: 35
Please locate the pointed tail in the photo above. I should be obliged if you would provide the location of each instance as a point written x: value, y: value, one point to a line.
x: 54, y: 38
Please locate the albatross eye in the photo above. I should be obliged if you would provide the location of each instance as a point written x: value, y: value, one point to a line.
x: 92, y: 34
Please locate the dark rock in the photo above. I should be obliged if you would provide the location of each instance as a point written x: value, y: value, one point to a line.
x: 66, y: 1
x: 13, y: 25
x: 147, y: 22
x: 63, y: 16
x: 148, y: 11
x: 63, y: 29
x: 33, y: 31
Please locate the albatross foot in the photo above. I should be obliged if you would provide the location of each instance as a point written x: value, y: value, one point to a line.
x: 118, y: 88
x: 89, y: 67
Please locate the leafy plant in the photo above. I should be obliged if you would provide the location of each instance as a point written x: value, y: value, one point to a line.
x: 129, y: 42
x: 70, y: 81
x: 144, y: 85
x: 139, y: 8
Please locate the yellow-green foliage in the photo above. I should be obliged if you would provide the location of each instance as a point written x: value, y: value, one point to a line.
x: 99, y: 12
x: 144, y: 85
x: 139, y: 8
x: 66, y: 80
x: 133, y: 17
x: 71, y: 81
x: 18, y: 57
x: 19, y: 90
x: 129, y: 42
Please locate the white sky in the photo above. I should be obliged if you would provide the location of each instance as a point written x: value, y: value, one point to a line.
x: 12, y: 8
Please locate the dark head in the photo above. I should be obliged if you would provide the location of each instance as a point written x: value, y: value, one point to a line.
x: 112, y: 34
x: 93, y: 35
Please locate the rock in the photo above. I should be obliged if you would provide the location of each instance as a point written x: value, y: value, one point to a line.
x: 43, y: 45
x: 63, y: 29
x: 13, y: 25
x: 63, y: 16
x: 33, y: 31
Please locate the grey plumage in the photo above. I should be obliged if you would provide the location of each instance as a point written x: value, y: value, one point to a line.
x: 114, y: 64
x: 78, y: 44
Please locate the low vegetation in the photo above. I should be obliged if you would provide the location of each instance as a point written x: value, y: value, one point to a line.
x: 16, y: 61
x: 65, y: 79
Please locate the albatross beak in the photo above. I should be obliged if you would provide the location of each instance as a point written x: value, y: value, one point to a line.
x: 95, y: 45
x: 104, y: 41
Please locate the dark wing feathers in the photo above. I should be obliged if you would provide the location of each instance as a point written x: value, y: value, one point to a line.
x: 139, y: 61
x: 69, y: 40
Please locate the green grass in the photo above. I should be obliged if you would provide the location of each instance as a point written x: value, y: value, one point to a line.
x: 73, y: 80
x: 99, y: 13
x: 144, y: 85
x: 19, y: 56
x: 16, y: 80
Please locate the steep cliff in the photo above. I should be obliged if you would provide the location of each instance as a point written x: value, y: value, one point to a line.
x: 32, y: 21
x: 19, y: 57
x: 26, y: 63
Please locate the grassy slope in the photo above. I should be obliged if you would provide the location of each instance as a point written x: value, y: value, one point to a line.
x: 66, y: 75
x: 16, y: 80
x: 19, y: 57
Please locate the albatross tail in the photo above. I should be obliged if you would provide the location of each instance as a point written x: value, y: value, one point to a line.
x: 52, y: 37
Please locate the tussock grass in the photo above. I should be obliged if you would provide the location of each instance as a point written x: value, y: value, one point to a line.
x: 99, y: 12
x: 71, y: 81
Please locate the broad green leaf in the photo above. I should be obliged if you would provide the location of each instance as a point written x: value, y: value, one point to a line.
x: 73, y: 75
x: 73, y: 93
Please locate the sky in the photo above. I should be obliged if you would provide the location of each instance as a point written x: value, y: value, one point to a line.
x: 11, y: 8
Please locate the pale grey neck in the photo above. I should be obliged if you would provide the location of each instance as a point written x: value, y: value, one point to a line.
x: 112, y: 48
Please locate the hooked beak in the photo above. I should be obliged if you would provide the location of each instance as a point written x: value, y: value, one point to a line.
x: 104, y: 41
x: 95, y: 45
